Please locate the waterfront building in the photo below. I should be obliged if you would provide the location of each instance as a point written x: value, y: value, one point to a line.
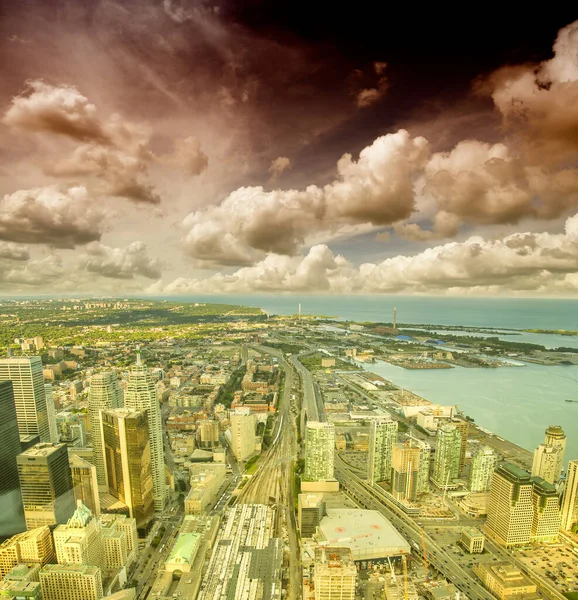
x: 335, y: 573
x: 556, y: 437
x: 34, y: 546
x: 105, y: 394
x: 570, y: 498
x: 11, y: 509
x: 404, y: 471
x: 447, y: 457
x: 51, y: 413
x: 463, y: 427
x: 84, y: 483
x: 243, y: 425
x: 71, y: 582
x: 382, y: 436
x: 319, y: 451
x: 126, y: 446
x: 510, y: 508
x: 546, y: 511
x: 45, y: 485
x: 140, y: 394
x: 482, y: 466
x: 29, y: 394
x: 546, y: 463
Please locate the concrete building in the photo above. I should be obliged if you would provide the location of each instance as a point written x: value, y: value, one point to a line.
x: 505, y: 581
x: 46, y: 485
x: 51, y: 413
x: 482, y: 467
x: 570, y: 498
x: 335, y: 574
x: 105, y: 394
x: 404, y: 471
x: 71, y: 582
x: 463, y: 427
x: 84, y: 483
x: 209, y: 433
x: 29, y: 395
x: 546, y: 463
x: 510, y: 508
x: 310, y: 510
x: 21, y: 590
x: 127, y: 454
x: 33, y: 546
x: 246, y: 558
x: 382, y: 436
x: 472, y: 540
x: 447, y: 457
x: 556, y: 437
x: 128, y: 526
x: 243, y: 425
x: 140, y: 394
x: 11, y: 509
x: 319, y: 451
x: 24, y: 572
x: 183, y: 552
x: 79, y: 541
x: 546, y: 511
x: 204, y: 488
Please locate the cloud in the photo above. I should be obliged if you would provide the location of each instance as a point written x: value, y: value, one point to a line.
x: 11, y: 251
x: 539, y: 103
x: 58, y: 217
x: 33, y: 273
x: 278, y: 166
x: 189, y: 156
x: 60, y: 110
x: 520, y: 263
x: 376, y: 189
x: 177, y: 13
x: 370, y: 94
x: 120, y: 263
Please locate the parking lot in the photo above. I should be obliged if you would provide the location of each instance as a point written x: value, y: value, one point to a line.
x: 558, y: 563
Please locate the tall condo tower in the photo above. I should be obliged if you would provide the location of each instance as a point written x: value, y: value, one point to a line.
x: 319, y: 451
x: 382, y: 436
x: 547, y: 462
x: 29, y: 395
x: 556, y: 437
x: 570, y: 499
x: 405, y: 471
x: 141, y: 394
x: 105, y: 394
x: 11, y: 511
x: 447, y: 456
x: 484, y: 461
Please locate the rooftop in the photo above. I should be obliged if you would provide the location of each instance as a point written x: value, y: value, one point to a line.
x: 42, y: 449
x: 514, y: 473
x: 184, y: 549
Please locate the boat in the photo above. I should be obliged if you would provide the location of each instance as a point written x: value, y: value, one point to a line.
x: 575, y: 401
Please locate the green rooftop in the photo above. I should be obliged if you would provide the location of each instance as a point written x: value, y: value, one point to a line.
x: 184, y: 549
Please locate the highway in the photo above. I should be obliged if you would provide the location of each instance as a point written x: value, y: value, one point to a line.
x: 311, y: 397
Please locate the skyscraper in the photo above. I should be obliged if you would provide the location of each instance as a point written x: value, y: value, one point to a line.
x: 141, y: 394
x: 546, y: 511
x: 29, y: 395
x: 482, y: 466
x: 126, y: 446
x: 382, y: 436
x: 404, y: 471
x: 463, y: 427
x: 84, y: 483
x: 105, y: 393
x: 319, y: 451
x: 510, y: 508
x: 335, y: 574
x: 51, y: 413
x: 71, y: 582
x: 46, y: 485
x: 547, y: 462
x: 570, y: 498
x: 79, y: 541
x: 556, y: 437
x: 447, y: 457
x: 243, y: 425
x: 11, y: 510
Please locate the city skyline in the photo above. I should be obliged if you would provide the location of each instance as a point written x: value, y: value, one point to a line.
x: 166, y: 147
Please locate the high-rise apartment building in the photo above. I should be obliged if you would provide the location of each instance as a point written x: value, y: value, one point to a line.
x: 243, y: 425
x: 382, y: 436
x: 34, y: 546
x: 84, y: 483
x: 482, y: 467
x: 463, y: 427
x: 126, y: 445
x: 510, y: 508
x: 46, y: 485
x: 546, y: 463
x: 71, y: 582
x: 447, y: 457
x: 556, y: 437
x: 29, y: 395
x: 319, y: 451
x: 105, y: 394
x: 546, y: 511
x: 140, y: 394
x: 335, y: 574
x: 79, y: 541
x: 570, y: 498
x: 11, y: 510
x: 405, y: 471
x: 51, y: 413
x: 208, y: 433
x: 424, y: 464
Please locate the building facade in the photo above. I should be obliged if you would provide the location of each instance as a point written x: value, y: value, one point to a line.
x: 447, y: 457
x: 570, y: 498
x: 382, y: 436
x: 71, y: 582
x: 335, y: 574
x: 405, y: 471
x: 556, y: 437
x: 482, y: 467
x: 319, y: 451
x: 546, y: 511
x: 546, y: 463
x: 84, y: 483
x: 243, y: 425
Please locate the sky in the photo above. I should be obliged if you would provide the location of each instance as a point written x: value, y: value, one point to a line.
x: 183, y: 147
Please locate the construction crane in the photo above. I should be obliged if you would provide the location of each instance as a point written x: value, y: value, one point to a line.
x: 424, y: 554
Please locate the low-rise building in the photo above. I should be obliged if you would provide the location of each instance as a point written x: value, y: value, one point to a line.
x: 472, y: 540
x: 505, y: 581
